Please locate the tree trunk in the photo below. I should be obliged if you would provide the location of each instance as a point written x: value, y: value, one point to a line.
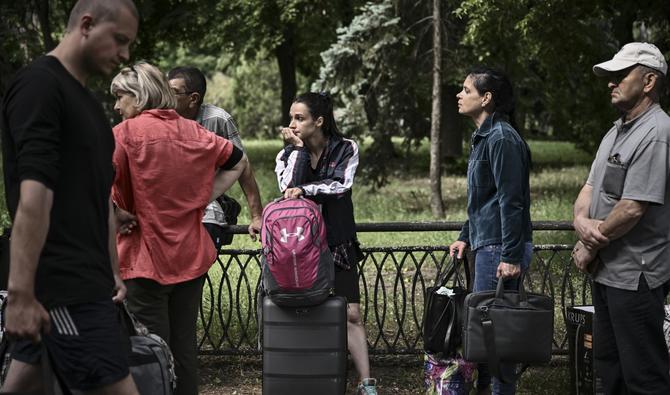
x: 452, y: 125
x: 436, y: 206
x: 45, y: 26
x: 285, y: 54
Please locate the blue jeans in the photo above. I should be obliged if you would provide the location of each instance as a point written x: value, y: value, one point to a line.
x: 487, y: 259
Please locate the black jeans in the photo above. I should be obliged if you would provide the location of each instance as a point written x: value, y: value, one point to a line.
x: 171, y: 312
x: 630, y: 353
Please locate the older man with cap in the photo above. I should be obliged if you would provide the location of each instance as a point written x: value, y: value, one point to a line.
x: 622, y: 219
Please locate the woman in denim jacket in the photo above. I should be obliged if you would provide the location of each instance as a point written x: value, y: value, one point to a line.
x: 498, y: 228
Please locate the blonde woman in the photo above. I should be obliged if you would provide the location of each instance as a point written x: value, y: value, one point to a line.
x: 168, y: 169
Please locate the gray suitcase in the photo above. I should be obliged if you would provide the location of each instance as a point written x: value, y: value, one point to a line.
x: 305, y: 348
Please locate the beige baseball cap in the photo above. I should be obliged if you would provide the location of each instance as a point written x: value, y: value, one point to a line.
x: 631, y: 54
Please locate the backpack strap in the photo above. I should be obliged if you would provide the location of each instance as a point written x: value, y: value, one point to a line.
x: 136, y: 327
x: 260, y: 294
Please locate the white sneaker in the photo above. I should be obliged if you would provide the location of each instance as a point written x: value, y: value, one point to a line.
x: 367, y: 387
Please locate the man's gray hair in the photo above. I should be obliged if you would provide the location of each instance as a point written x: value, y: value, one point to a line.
x: 659, y: 87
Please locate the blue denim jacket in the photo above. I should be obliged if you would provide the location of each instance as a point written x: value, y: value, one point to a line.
x: 498, y: 190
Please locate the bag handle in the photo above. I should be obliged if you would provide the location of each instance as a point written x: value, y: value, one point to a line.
x: 455, y: 264
x: 489, y: 334
x: 492, y: 353
x: 523, y: 296
x: 137, y: 328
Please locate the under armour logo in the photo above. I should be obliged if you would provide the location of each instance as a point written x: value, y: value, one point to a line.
x: 285, y: 234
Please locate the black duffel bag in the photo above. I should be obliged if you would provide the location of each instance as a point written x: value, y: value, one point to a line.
x: 443, y: 311
x: 508, y: 326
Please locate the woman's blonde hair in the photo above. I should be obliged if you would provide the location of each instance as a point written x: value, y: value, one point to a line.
x: 147, y: 83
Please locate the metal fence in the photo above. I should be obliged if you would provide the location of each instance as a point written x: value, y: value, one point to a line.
x: 392, y: 280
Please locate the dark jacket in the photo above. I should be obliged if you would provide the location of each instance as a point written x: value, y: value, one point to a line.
x: 498, y: 190
x: 328, y: 185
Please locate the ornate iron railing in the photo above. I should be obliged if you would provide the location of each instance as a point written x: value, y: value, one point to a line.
x: 392, y: 279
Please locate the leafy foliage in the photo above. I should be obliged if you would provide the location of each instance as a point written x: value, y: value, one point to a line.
x: 375, y: 57
x: 550, y: 63
x: 367, y: 70
x: 253, y: 95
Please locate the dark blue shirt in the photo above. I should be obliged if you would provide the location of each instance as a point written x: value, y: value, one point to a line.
x: 498, y: 190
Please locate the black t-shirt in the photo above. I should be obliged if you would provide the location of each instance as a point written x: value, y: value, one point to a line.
x: 54, y: 131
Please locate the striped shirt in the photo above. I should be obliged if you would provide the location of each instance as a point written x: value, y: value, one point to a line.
x: 219, y: 121
x: 336, y: 168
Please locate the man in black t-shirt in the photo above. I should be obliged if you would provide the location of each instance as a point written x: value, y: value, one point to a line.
x: 57, y: 155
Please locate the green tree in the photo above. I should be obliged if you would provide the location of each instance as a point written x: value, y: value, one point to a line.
x: 549, y: 48
x: 294, y: 32
x: 380, y: 69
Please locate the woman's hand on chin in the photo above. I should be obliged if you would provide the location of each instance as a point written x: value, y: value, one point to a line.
x: 290, y: 137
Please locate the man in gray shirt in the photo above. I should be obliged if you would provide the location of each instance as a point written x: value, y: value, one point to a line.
x: 622, y: 219
x: 189, y: 85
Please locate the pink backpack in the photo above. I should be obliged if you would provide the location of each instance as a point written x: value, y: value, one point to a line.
x: 298, y: 267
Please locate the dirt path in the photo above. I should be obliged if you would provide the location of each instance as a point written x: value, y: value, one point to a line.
x: 242, y: 376
x: 234, y: 375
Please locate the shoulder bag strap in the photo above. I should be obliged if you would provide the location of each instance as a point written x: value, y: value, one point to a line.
x: 450, y: 325
x: 437, y: 325
x: 490, y: 343
x: 136, y: 327
x: 260, y: 294
x: 493, y: 359
x: 466, y: 269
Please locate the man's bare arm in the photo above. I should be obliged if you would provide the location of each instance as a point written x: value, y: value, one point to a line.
x: 587, y: 228
x: 26, y: 317
x: 250, y: 188
x: 623, y: 217
x: 119, y: 287
x: 224, y: 179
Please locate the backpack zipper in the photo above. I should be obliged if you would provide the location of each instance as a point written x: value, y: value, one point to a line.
x: 295, y: 269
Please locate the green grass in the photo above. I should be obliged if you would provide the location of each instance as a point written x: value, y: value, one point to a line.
x: 559, y: 172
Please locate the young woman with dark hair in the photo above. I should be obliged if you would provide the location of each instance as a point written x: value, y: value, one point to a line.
x: 498, y: 228
x: 319, y: 164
